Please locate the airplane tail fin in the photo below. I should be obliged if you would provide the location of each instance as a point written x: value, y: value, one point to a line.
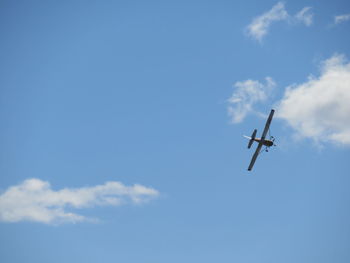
x: 252, y: 139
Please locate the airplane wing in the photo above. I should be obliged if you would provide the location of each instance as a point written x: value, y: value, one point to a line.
x: 267, y: 125
x: 257, y: 151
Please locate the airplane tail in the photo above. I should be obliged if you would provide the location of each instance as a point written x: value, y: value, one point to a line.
x: 251, y: 138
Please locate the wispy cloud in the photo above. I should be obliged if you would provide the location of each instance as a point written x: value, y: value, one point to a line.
x: 341, y: 18
x: 34, y: 200
x: 305, y: 16
x: 260, y: 25
x: 246, y: 95
x: 319, y: 108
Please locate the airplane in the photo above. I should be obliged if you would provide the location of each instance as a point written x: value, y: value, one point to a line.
x: 261, y: 141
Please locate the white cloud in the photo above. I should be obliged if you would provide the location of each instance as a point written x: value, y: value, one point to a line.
x: 305, y: 16
x: 34, y: 200
x: 260, y: 25
x: 247, y: 94
x: 320, y: 107
x: 341, y: 18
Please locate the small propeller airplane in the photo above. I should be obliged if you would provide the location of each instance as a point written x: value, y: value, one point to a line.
x: 261, y: 141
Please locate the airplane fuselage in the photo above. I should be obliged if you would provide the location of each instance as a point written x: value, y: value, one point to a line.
x: 267, y: 143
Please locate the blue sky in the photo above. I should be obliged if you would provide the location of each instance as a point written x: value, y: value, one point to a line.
x: 122, y: 123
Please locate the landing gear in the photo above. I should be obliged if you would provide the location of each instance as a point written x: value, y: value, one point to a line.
x: 273, y: 140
